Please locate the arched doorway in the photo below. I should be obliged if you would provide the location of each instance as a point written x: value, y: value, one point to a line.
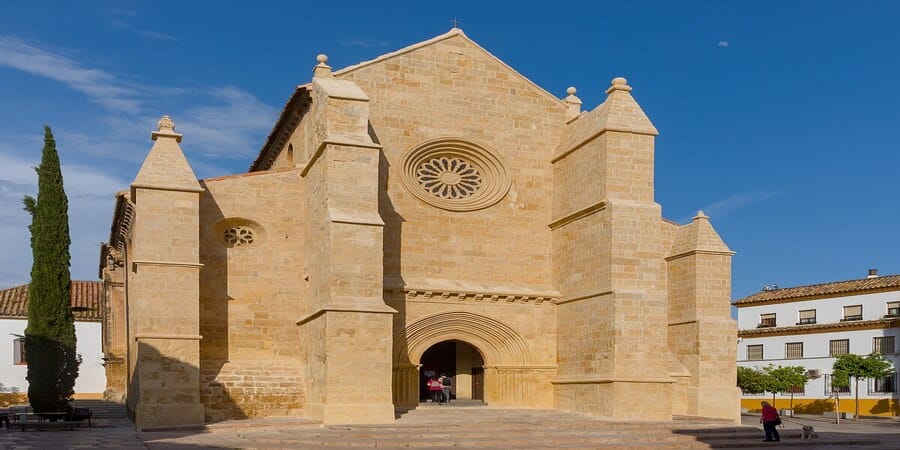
x: 460, y: 361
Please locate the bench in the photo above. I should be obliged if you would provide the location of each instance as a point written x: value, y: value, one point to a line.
x: 47, y: 421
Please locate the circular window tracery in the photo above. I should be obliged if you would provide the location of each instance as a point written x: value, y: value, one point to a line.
x: 455, y: 174
x: 449, y: 177
x: 237, y: 232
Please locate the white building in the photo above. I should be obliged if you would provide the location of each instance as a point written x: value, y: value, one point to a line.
x: 810, y: 325
x: 86, y: 304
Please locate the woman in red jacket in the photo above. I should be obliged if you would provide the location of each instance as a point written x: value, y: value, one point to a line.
x: 769, y: 420
x: 434, y: 388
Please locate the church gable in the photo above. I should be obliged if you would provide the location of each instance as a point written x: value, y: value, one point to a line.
x: 451, y: 56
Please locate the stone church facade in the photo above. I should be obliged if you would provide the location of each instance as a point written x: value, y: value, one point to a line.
x: 428, y: 211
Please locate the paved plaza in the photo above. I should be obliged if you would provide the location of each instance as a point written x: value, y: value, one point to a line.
x: 442, y: 426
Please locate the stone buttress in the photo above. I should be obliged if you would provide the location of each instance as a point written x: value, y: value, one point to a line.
x: 346, y: 332
x: 702, y: 334
x: 163, y: 289
x: 609, y: 261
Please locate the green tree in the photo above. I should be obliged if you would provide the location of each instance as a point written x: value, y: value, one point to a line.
x: 786, y: 379
x: 859, y: 367
x: 50, y: 334
x: 752, y: 381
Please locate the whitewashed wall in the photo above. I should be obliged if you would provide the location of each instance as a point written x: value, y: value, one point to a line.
x: 91, y: 377
x: 828, y: 310
x: 816, y: 346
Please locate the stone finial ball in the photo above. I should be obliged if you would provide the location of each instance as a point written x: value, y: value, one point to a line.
x: 165, y: 123
x: 322, y: 58
x: 571, y: 90
x: 619, y: 81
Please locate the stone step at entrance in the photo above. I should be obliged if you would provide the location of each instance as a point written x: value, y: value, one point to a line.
x: 491, y: 427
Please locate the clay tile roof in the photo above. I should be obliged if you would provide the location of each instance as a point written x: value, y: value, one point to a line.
x: 817, y: 290
x: 86, y: 301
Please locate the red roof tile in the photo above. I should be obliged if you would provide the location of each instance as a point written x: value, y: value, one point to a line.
x: 86, y: 301
x: 817, y: 290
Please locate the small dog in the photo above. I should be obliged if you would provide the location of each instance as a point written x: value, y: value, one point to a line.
x: 808, y: 432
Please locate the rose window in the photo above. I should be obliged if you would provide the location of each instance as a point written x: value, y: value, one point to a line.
x: 455, y: 174
x: 238, y: 236
x: 449, y: 177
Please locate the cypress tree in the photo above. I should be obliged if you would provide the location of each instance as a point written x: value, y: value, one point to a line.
x: 50, y: 335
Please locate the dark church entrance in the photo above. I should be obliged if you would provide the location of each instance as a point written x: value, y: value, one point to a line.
x: 459, y: 361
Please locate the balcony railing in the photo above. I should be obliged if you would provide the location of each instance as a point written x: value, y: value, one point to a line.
x: 807, y: 321
x: 851, y: 318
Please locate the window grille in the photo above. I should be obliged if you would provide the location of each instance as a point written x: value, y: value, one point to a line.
x: 829, y: 389
x: 883, y: 385
x: 838, y: 347
x: 807, y: 317
x: 793, y: 350
x: 883, y: 345
x: 796, y: 390
x: 755, y: 352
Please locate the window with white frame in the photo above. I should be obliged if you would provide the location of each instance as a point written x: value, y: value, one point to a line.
x: 893, y: 309
x: 807, y: 317
x: 766, y: 320
x: 884, y: 385
x: 19, y: 352
x: 883, y: 345
x: 852, y: 313
x: 755, y: 352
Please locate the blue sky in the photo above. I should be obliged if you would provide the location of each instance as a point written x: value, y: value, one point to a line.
x: 779, y: 119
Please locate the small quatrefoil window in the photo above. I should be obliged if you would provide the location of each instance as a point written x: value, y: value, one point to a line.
x: 238, y: 236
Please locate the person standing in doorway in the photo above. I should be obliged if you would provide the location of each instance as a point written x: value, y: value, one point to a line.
x: 434, y: 388
x: 446, y: 385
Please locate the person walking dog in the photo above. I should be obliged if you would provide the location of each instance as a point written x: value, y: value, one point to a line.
x: 770, y: 419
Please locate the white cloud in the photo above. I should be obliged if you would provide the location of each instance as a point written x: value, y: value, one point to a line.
x: 723, y: 44
x: 98, y: 85
x: 728, y: 205
x: 91, y: 200
x: 230, y: 126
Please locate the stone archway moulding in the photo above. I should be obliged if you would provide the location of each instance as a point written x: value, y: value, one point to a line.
x: 498, y: 343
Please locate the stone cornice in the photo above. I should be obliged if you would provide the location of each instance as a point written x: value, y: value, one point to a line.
x: 374, y: 309
x: 186, y: 337
x: 699, y: 252
x: 332, y: 140
x: 470, y: 294
x: 563, y: 154
x: 579, y: 214
x: 603, y: 380
x: 821, y: 328
x: 135, y: 186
